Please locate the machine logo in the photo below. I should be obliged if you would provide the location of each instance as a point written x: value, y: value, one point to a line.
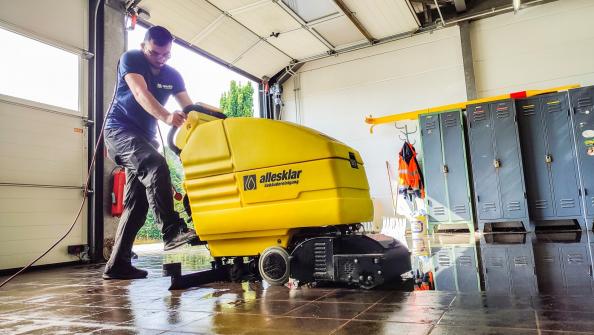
x: 249, y: 182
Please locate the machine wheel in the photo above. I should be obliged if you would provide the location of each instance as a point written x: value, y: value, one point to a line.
x: 273, y: 265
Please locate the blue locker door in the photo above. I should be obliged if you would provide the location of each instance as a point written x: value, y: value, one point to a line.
x: 433, y: 163
x: 466, y: 269
x: 496, y: 269
x: 532, y: 135
x: 582, y: 102
x: 508, y: 155
x: 563, y: 161
x: 576, y: 266
x: 482, y: 154
x: 521, y: 261
x: 445, y: 270
x: 455, y: 161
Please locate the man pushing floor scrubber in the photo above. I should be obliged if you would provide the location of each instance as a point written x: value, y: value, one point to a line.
x: 269, y: 198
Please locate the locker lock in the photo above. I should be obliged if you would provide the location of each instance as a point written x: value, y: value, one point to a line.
x: 548, y: 159
x: 497, y: 163
x: 445, y: 169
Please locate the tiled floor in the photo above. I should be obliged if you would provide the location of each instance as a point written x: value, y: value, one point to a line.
x: 76, y: 300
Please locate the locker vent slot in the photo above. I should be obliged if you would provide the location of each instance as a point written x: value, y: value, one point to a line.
x: 489, y: 207
x: 430, y: 125
x: 450, y: 121
x: 503, y: 112
x: 444, y: 260
x: 479, y: 114
x: 465, y: 260
x: 575, y: 258
x: 592, y: 201
x: 514, y: 206
x: 541, y: 204
x: 520, y: 261
x: 567, y: 203
x: 553, y: 106
x: 528, y: 110
x: 584, y: 102
x: 496, y: 262
x: 439, y: 211
x: 460, y: 209
x: 548, y: 259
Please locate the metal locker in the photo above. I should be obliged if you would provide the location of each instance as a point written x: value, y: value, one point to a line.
x: 563, y: 263
x: 455, y: 268
x: 456, y: 169
x: 445, y: 169
x: 444, y: 270
x: 582, y: 105
x: 549, y: 157
x: 435, y: 183
x: 467, y: 269
x: 508, y: 264
x: 497, y: 163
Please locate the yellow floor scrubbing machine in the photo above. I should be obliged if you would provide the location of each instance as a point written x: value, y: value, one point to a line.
x: 278, y: 200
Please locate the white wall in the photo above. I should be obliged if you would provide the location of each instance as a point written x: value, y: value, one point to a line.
x: 337, y: 93
x: 544, y: 46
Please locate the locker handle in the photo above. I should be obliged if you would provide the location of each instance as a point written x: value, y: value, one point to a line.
x: 548, y: 159
x: 445, y: 169
x: 497, y: 163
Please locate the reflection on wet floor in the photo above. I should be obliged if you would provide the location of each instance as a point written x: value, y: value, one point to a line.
x: 515, y: 263
x: 537, y: 283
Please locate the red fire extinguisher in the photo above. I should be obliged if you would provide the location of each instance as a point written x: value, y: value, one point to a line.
x: 117, y: 193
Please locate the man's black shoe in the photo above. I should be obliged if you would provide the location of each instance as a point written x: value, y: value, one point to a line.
x: 129, y: 273
x: 184, y: 236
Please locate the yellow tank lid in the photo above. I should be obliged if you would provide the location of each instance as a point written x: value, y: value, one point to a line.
x: 258, y: 143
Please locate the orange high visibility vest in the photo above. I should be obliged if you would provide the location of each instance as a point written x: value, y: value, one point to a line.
x: 409, y: 174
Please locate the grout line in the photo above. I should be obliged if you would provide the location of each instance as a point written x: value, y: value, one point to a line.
x: 346, y: 323
x: 452, y: 302
x: 309, y: 303
x: 438, y: 321
x: 537, y: 321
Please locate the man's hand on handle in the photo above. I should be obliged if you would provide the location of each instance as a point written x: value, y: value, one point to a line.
x: 176, y: 119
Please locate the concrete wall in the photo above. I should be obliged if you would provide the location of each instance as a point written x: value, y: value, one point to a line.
x: 115, y: 45
x: 544, y: 46
x: 335, y: 95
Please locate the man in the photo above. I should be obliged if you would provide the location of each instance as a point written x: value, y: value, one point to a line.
x: 144, y: 83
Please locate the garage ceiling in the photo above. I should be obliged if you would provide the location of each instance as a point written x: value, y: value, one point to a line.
x: 261, y: 37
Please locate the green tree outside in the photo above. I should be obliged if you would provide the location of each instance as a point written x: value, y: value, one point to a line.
x: 238, y: 101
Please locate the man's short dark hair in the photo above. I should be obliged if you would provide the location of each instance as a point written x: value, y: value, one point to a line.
x: 159, y: 35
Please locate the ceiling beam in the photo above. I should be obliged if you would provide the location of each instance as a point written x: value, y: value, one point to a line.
x: 248, y: 29
x: 343, y: 7
x: 304, y: 25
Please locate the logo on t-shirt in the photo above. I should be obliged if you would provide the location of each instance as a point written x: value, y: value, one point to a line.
x: 164, y: 86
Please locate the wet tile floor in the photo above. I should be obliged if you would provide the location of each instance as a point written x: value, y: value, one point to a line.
x: 500, y: 284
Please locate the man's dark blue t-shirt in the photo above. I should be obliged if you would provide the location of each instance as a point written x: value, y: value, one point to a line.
x: 126, y: 112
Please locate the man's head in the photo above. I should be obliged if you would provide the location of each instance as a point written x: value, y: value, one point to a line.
x: 157, y: 46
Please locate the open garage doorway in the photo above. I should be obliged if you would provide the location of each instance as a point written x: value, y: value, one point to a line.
x: 206, y: 82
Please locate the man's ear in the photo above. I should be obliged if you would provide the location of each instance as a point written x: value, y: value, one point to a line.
x: 142, y: 46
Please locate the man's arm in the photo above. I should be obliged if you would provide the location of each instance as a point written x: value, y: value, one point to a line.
x: 183, y: 99
x: 147, y: 101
